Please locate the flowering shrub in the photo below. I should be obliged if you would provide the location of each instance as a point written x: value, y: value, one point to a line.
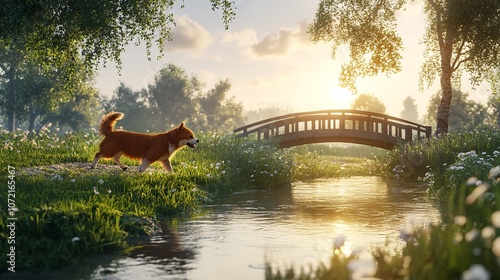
x: 453, y: 156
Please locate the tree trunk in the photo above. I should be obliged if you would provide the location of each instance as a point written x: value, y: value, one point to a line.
x: 11, y: 100
x: 446, y: 90
x: 32, y: 117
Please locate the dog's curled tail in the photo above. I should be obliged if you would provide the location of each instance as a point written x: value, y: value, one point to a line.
x: 108, y: 122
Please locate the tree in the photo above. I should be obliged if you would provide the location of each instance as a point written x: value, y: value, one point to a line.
x: 461, y: 35
x: 263, y: 113
x: 29, y: 83
x: 218, y: 111
x: 32, y: 91
x: 96, y: 29
x: 138, y: 115
x: 53, y: 33
x: 171, y: 96
x: 79, y: 114
x: 368, y: 102
x: 175, y: 97
x: 464, y: 113
x: 410, y: 111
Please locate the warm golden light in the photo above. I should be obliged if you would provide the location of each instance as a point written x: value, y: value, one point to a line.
x: 342, y: 98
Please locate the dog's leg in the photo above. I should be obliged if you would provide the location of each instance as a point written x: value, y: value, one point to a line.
x: 96, y: 160
x: 144, y: 165
x: 166, y: 165
x: 116, y: 159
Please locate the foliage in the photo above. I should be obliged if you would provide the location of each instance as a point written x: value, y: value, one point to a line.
x: 410, y: 111
x: 338, y: 269
x: 98, y: 30
x: 263, y: 113
x: 368, y: 27
x: 134, y: 105
x: 177, y: 97
x: 368, y: 102
x: 494, y: 109
x: 61, y: 93
x: 57, y: 36
x: 218, y: 111
x: 430, y: 158
x: 463, y: 112
x: 460, y: 36
x: 312, y: 165
x: 171, y: 95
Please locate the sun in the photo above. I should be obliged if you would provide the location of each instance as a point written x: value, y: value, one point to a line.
x: 342, y: 98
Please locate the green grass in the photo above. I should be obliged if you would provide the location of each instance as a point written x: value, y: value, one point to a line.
x: 66, y: 215
x: 462, y: 171
x: 63, y: 216
x: 312, y: 165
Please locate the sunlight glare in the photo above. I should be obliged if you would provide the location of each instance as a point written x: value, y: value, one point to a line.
x: 342, y: 98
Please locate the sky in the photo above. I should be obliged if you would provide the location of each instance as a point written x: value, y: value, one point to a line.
x: 267, y: 56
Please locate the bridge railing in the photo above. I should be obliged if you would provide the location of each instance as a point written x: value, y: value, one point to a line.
x: 368, y: 123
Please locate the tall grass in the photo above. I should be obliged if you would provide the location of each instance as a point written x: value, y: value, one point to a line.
x: 461, y: 169
x: 312, y: 165
x: 64, y: 215
x: 432, y: 157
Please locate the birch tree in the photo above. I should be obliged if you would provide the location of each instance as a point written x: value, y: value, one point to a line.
x: 461, y: 36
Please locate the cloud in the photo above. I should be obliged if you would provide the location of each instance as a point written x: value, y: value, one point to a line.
x: 188, y: 35
x: 279, y: 43
x: 273, y: 44
x: 244, y: 38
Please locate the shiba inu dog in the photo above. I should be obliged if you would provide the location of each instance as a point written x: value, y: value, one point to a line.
x: 146, y: 147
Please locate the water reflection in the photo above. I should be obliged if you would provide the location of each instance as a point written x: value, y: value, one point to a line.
x: 233, y: 239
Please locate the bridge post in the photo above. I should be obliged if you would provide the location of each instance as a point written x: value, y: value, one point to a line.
x: 384, y: 127
x: 408, y: 133
x: 428, y: 131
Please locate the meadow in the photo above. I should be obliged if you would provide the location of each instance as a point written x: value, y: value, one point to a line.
x: 66, y: 211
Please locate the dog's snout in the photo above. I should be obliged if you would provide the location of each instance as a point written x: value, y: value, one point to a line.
x: 197, y: 141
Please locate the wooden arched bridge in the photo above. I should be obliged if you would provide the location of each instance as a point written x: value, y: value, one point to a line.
x: 349, y: 126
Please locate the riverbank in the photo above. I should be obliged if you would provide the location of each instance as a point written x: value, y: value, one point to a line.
x: 62, y: 211
x: 462, y: 171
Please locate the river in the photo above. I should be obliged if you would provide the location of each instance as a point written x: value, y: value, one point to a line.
x: 234, y: 238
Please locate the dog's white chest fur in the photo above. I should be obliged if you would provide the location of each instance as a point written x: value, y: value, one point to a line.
x: 171, y: 148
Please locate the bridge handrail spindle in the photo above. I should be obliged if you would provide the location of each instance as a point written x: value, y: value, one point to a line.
x: 365, y: 126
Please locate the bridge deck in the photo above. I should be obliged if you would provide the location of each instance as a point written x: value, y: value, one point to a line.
x: 350, y: 126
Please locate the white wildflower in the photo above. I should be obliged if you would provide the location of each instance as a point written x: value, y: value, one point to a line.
x: 494, y: 172
x: 471, y: 235
x: 476, y: 193
x: 460, y: 220
x: 339, y: 242
x: 472, y: 181
x: 362, y: 268
x: 496, y: 247
x: 488, y: 232
x: 476, y: 272
x: 495, y: 219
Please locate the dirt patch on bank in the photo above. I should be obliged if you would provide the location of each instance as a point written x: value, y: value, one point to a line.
x: 76, y: 167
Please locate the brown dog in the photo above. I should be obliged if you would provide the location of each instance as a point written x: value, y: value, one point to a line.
x: 147, y: 147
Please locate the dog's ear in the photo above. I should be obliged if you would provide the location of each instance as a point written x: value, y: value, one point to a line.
x: 181, y: 126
